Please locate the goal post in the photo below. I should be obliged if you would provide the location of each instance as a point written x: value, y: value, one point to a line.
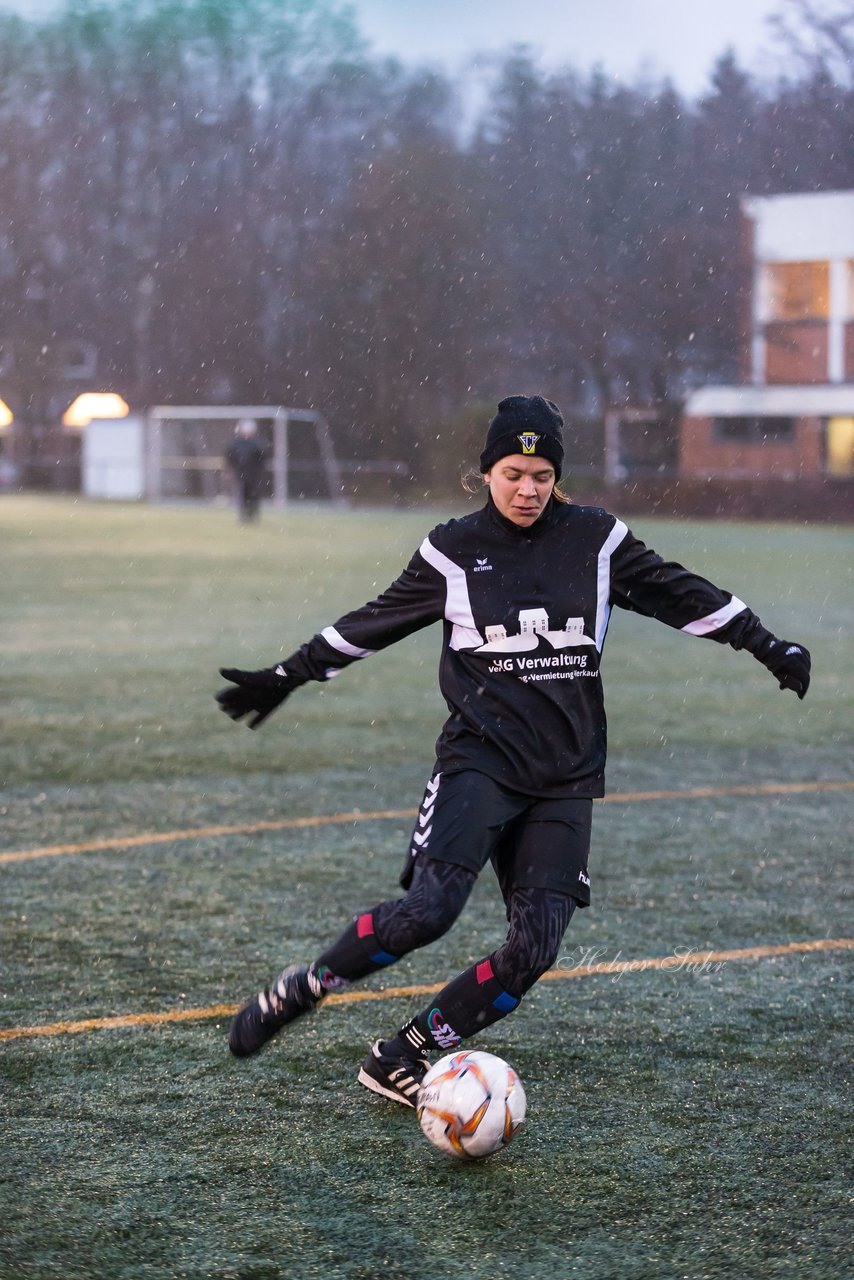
x: 186, y: 446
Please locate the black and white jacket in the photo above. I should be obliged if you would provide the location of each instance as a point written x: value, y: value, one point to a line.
x: 525, y: 613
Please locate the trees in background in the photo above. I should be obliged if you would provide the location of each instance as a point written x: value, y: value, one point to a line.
x: 231, y: 200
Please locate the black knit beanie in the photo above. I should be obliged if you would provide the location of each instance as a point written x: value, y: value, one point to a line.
x: 528, y: 425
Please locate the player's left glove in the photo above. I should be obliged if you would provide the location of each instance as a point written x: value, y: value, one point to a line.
x: 789, y: 662
x: 255, y: 693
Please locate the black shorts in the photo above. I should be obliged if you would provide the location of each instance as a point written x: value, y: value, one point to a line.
x: 468, y: 819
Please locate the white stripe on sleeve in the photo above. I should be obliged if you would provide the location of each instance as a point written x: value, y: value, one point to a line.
x: 714, y: 621
x: 333, y: 637
x: 603, y: 592
x: 465, y: 634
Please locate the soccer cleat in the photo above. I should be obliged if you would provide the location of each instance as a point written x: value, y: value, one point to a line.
x: 295, y: 991
x: 394, y: 1076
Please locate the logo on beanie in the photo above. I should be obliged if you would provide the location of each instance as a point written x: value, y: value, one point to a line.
x: 528, y: 441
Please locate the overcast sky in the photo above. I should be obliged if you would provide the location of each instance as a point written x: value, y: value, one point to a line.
x: 678, y: 38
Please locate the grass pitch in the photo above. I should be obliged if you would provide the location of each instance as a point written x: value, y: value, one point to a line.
x: 683, y: 1122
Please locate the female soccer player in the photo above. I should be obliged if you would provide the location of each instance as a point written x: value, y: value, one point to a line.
x: 524, y: 589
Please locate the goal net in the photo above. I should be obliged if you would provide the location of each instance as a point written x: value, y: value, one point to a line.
x: 186, y: 452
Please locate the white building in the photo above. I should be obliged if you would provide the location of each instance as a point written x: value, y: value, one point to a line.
x: 793, y: 414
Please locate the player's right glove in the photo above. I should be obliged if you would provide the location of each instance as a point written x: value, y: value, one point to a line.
x: 255, y: 693
x: 789, y: 662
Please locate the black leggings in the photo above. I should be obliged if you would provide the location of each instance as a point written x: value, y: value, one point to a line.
x: 437, y: 895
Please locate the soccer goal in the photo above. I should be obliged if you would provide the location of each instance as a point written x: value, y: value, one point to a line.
x: 185, y: 448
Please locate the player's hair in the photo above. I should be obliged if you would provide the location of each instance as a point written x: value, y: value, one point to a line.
x: 473, y: 481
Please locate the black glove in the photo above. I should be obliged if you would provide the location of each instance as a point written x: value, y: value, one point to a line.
x: 789, y: 662
x: 255, y: 691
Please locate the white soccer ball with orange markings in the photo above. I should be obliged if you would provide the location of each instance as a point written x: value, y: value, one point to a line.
x: 471, y: 1104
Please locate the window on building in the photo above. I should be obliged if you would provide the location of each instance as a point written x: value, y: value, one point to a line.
x: 840, y: 446
x: 753, y: 430
x: 798, y: 290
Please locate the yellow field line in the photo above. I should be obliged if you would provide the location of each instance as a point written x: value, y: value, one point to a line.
x: 687, y: 961
x: 206, y: 833
x: 380, y: 815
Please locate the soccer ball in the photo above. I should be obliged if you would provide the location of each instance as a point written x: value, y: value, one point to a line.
x: 471, y: 1104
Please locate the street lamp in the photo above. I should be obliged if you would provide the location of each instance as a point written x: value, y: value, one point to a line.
x: 94, y: 404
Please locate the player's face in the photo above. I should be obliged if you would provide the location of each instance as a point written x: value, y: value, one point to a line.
x: 521, y: 487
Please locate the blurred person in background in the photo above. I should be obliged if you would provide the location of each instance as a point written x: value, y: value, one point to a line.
x: 247, y: 457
